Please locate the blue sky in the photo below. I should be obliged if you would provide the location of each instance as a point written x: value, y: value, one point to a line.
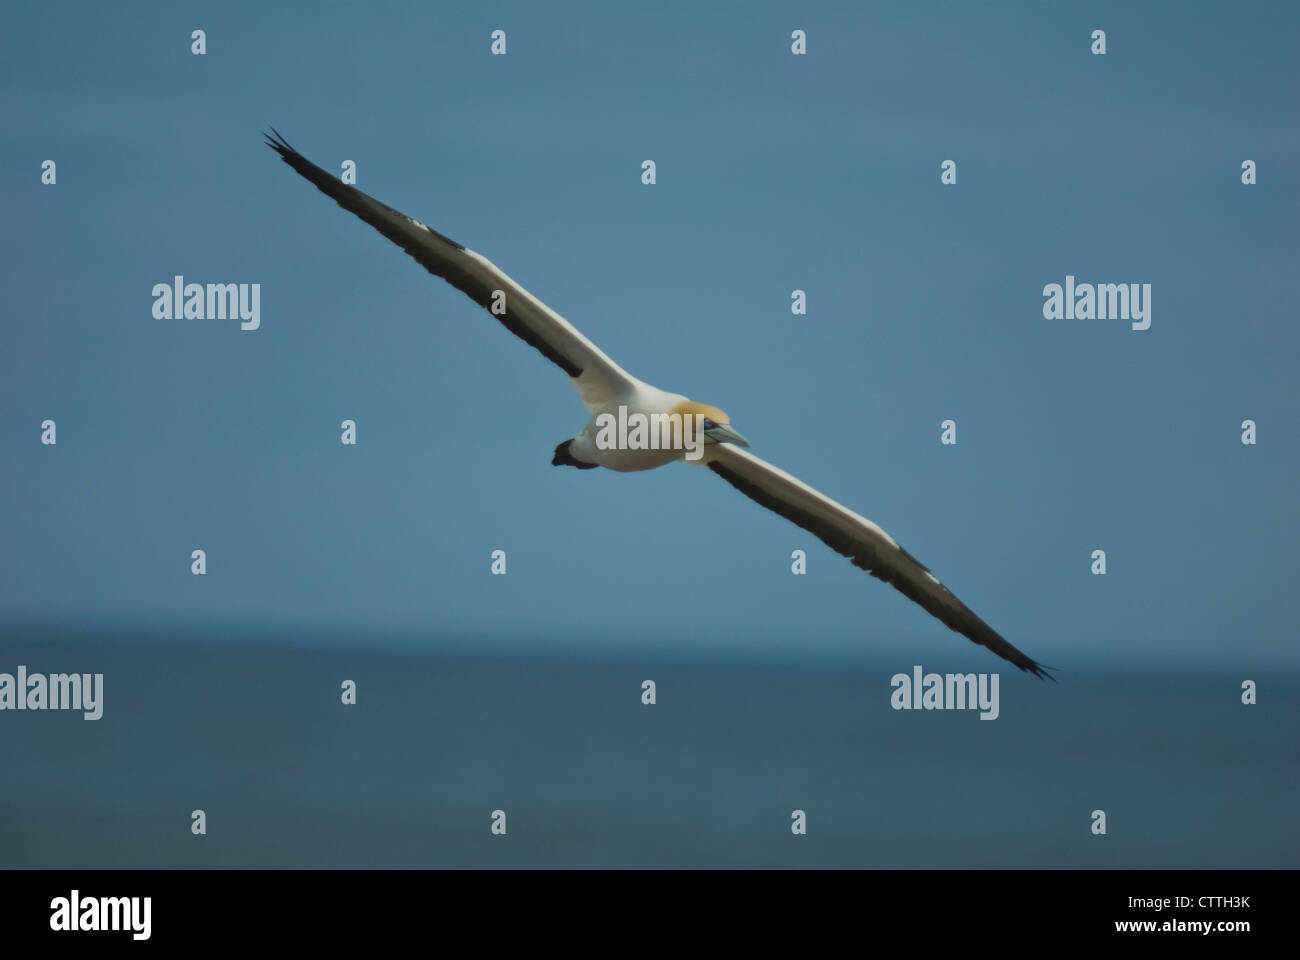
x: 775, y: 172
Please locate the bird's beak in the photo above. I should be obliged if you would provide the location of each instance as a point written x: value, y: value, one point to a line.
x: 721, y: 433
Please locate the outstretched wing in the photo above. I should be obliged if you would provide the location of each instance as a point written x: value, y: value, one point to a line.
x: 857, y: 538
x: 595, y: 376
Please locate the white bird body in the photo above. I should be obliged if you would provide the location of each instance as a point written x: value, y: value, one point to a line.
x: 616, y: 399
x: 640, y: 399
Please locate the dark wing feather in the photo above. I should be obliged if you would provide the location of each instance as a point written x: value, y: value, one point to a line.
x: 476, y: 276
x: 864, y: 543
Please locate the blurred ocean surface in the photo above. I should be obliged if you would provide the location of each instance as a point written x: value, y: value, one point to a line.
x: 249, y: 727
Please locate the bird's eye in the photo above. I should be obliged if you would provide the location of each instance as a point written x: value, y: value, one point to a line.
x: 709, y: 424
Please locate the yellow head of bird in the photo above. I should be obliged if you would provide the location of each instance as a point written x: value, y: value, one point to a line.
x: 713, y: 423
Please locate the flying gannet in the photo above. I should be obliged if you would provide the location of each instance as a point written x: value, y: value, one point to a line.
x: 605, y: 389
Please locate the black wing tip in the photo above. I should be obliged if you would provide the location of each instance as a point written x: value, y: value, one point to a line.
x: 275, y: 140
x: 1013, y: 656
x: 1039, y: 670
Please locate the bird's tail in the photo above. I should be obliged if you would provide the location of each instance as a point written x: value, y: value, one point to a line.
x: 563, y: 458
